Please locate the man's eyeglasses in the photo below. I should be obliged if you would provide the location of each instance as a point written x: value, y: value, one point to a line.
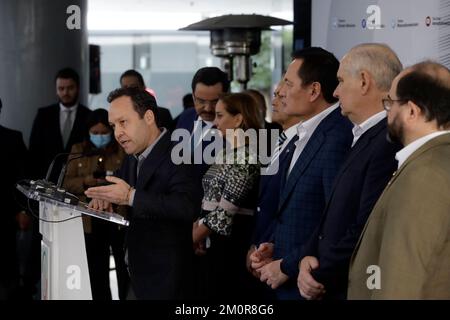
x: 204, y: 103
x: 388, y: 102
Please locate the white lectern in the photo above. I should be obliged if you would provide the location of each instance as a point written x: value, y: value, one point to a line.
x: 64, y: 273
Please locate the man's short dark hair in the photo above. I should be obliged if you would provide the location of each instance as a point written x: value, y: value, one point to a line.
x: 133, y: 73
x: 319, y: 65
x: 188, y: 101
x: 68, y: 73
x: 211, y: 76
x: 428, y: 86
x: 142, y: 100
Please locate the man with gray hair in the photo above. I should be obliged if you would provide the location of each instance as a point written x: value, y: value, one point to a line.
x: 404, y: 250
x: 365, y: 75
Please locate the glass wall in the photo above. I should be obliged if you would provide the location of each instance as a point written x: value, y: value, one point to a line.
x: 166, y: 59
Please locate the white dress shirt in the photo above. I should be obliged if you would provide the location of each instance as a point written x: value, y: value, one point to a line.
x: 199, y: 132
x: 359, y: 129
x: 290, y: 133
x: 140, y: 159
x: 407, y: 151
x: 64, y: 113
x: 305, y: 130
x: 273, y: 166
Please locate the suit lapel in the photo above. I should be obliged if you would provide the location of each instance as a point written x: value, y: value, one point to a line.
x: 440, y: 140
x: 192, y: 118
x: 308, y: 153
x: 285, y: 154
x: 57, y: 128
x: 78, y: 125
x: 363, y: 142
x: 361, y: 145
x: 437, y: 141
x: 153, y: 160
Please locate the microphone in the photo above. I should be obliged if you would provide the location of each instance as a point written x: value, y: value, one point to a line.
x: 50, y: 168
x: 46, y: 183
x: 78, y: 155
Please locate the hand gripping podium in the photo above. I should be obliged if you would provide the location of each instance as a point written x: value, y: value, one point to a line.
x: 64, y: 268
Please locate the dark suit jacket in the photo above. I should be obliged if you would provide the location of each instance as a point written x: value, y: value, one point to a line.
x: 159, y: 238
x: 269, y: 195
x: 12, y: 163
x: 46, y: 140
x: 304, y: 195
x: 357, y: 187
x: 186, y: 121
x: 408, y: 231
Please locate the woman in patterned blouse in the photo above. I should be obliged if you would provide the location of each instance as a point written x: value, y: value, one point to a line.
x: 230, y: 194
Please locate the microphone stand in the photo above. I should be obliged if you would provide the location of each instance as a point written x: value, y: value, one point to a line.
x: 62, y: 174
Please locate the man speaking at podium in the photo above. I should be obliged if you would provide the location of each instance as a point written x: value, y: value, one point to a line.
x: 160, y: 196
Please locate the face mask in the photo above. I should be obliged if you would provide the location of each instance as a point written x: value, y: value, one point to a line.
x: 100, y: 140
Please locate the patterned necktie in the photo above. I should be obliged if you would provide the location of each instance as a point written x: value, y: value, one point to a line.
x: 281, y: 139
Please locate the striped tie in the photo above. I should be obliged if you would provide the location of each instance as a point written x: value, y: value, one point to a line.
x: 281, y: 139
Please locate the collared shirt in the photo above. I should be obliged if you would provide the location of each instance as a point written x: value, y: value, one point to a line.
x: 305, y: 130
x: 202, y: 127
x: 290, y: 133
x: 63, y: 115
x: 140, y: 159
x: 407, y: 151
x: 359, y: 129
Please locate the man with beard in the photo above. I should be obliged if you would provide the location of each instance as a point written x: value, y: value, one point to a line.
x: 56, y: 129
x: 404, y: 250
x: 365, y: 76
x: 59, y: 126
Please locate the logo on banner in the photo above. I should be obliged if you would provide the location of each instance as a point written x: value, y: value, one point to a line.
x: 374, y: 20
x: 393, y: 23
x: 334, y: 22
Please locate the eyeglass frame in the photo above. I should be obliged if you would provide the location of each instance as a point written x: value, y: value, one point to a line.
x: 204, y: 102
x: 391, y: 101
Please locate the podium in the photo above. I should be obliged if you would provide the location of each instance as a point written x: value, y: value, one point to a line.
x: 64, y: 268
